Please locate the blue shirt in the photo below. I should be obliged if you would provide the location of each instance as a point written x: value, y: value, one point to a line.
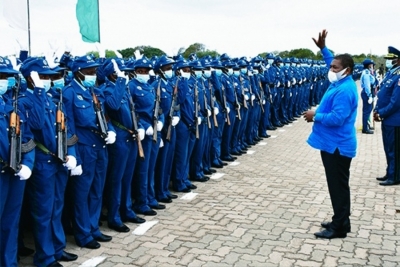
x: 388, y: 105
x: 334, y: 126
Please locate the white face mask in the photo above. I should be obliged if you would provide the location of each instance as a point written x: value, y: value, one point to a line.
x: 3, y: 86
x: 243, y: 70
x: 186, y: 75
x: 389, y: 63
x: 168, y: 74
x: 207, y: 73
x: 143, y: 78
x: 336, y: 76
x: 230, y: 71
x: 46, y: 84
x: 270, y: 61
x: 198, y: 73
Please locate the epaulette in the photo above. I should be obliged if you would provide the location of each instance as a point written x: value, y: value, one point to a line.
x: 72, y: 141
x: 27, y: 147
x: 397, y: 72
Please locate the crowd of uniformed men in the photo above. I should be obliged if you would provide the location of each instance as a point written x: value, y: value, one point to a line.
x: 136, y: 130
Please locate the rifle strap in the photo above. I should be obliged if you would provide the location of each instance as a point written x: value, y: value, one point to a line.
x: 27, y: 147
x: 44, y: 149
x: 119, y: 125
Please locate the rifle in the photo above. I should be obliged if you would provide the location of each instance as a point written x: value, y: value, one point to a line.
x: 157, y: 111
x: 196, y: 109
x: 228, y: 121
x: 237, y: 103
x: 205, y: 105
x: 244, y: 100
x: 15, y: 133
x: 135, y: 125
x: 251, y: 92
x: 101, y: 120
x: 172, y: 109
x: 61, y: 130
x: 212, y: 105
x: 261, y: 97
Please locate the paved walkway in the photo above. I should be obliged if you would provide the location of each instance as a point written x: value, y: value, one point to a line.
x: 263, y: 212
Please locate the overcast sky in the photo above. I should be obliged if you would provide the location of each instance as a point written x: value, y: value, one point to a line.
x: 238, y: 28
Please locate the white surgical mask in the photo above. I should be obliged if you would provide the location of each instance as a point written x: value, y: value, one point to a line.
x: 143, y: 78
x: 336, y: 76
x: 230, y: 71
x: 207, y: 73
x: 198, y: 73
x: 3, y: 86
x: 59, y: 83
x: 243, y: 70
x: 89, y: 81
x: 186, y: 75
x: 168, y: 74
x: 389, y: 63
x: 270, y: 61
x: 236, y: 73
x: 218, y: 72
x: 46, y: 85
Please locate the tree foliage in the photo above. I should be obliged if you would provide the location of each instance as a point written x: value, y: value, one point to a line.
x: 199, y: 49
x: 148, y: 51
x: 109, y: 53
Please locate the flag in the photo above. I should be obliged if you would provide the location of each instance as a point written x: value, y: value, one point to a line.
x: 87, y: 14
x: 16, y: 13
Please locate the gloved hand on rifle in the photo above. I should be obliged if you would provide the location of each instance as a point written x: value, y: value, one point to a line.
x: 161, y: 143
x: 278, y: 84
x: 198, y: 120
x: 149, y: 131
x: 76, y: 171
x: 111, y: 137
x: 208, y: 112
x: 141, y: 134
x: 370, y: 99
x: 253, y: 97
x: 71, y: 162
x: 24, y: 173
x: 246, y: 97
x: 159, y: 125
x: 228, y: 110
x: 175, y: 120
x: 216, y: 111
x: 263, y: 102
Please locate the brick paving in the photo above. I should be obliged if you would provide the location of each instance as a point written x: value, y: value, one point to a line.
x: 264, y: 211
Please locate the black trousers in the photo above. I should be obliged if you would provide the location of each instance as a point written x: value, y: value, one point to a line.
x: 337, y: 171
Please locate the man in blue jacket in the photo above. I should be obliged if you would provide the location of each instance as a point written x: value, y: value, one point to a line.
x: 388, y: 111
x: 335, y: 135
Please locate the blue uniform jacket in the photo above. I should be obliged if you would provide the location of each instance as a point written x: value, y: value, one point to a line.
x: 388, y: 105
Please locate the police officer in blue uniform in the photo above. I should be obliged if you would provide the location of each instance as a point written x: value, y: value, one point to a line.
x: 387, y: 110
x: 12, y: 184
x: 88, y: 178
x: 124, y: 152
x: 367, y: 84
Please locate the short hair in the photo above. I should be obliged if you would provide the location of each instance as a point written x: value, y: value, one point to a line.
x: 346, y: 60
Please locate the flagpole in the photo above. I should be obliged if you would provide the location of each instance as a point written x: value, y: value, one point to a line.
x: 29, y: 29
x: 98, y: 17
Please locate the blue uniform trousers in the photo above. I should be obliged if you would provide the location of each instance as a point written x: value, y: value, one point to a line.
x: 164, y: 166
x: 182, y: 154
x: 151, y: 196
x: 207, y: 146
x: 250, y: 124
x: 242, y: 138
x: 235, y: 133
x: 227, y: 133
x: 122, y: 158
x: 217, y: 139
x: 11, y: 196
x: 196, y: 159
x: 141, y: 178
x: 277, y: 98
x: 391, y: 145
x: 264, y: 120
x: 88, y: 192
x: 46, y: 190
x: 366, y: 111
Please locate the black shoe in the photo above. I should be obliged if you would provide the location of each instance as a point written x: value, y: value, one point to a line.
x: 228, y: 159
x: 213, y: 171
x: 172, y: 196
x: 201, y: 180
x: 224, y: 163
x: 384, y: 178
x: 103, y: 217
x: 54, y: 264
x: 103, y: 238
x: 330, y: 234
x: 367, y: 132
x: 234, y: 158
x: 185, y: 190
x: 327, y: 225
x: 158, y: 207
x: 207, y: 172
x: 119, y: 228
x: 192, y: 186
x: 165, y: 200
x: 24, y: 251
x: 136, y: 220
x: 217, y: 166
x: 147, y: 212
x: 92, y: 245
x: 388, y: 182
x: 236, y: 153
x: 67, y: 256
x: 371, y: 128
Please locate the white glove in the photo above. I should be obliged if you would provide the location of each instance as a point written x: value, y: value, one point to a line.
x: 117, y: 70
x: 304, y: 79
x: 76, y: 171
x: 141, y: 134
x: 101, y: 50
x: 288, y: 84
x: 151, y: 73
x: 159, y: 125
x: 290, y: 94
x: 208, y: 112
x: 24, y: 173
x: 198, y: 121
x: 68, y: 46
x: 278, y: 84
x: 36, y: 79
x: 263, y: 102
x: 118, y: 54
x: 216, y: 111
x: 137, y: 54
x: 374, y: 98
x: 149, y: 131
x: 253, y: 97
x: 246, y: 97
x: 294, y: 81
x: 71, y: 162
x: 22, y: 45
x: 311, y: 87
x: 238, y: 107
x: 161, y: 143
x: 250, y: 73
x: 300, y: 82
x: 228, y: 110
x: 111, y: 137
x: 175, y: 120
x: 315, y: 79
x: 370, y: 100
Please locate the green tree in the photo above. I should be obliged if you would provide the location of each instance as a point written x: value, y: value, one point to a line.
x: 109, y: 53
x: 200, y: 50
x: 127, y: 52
x: 149, y: 51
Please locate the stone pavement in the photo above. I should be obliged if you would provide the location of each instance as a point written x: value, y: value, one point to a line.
x: 263, y: 212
